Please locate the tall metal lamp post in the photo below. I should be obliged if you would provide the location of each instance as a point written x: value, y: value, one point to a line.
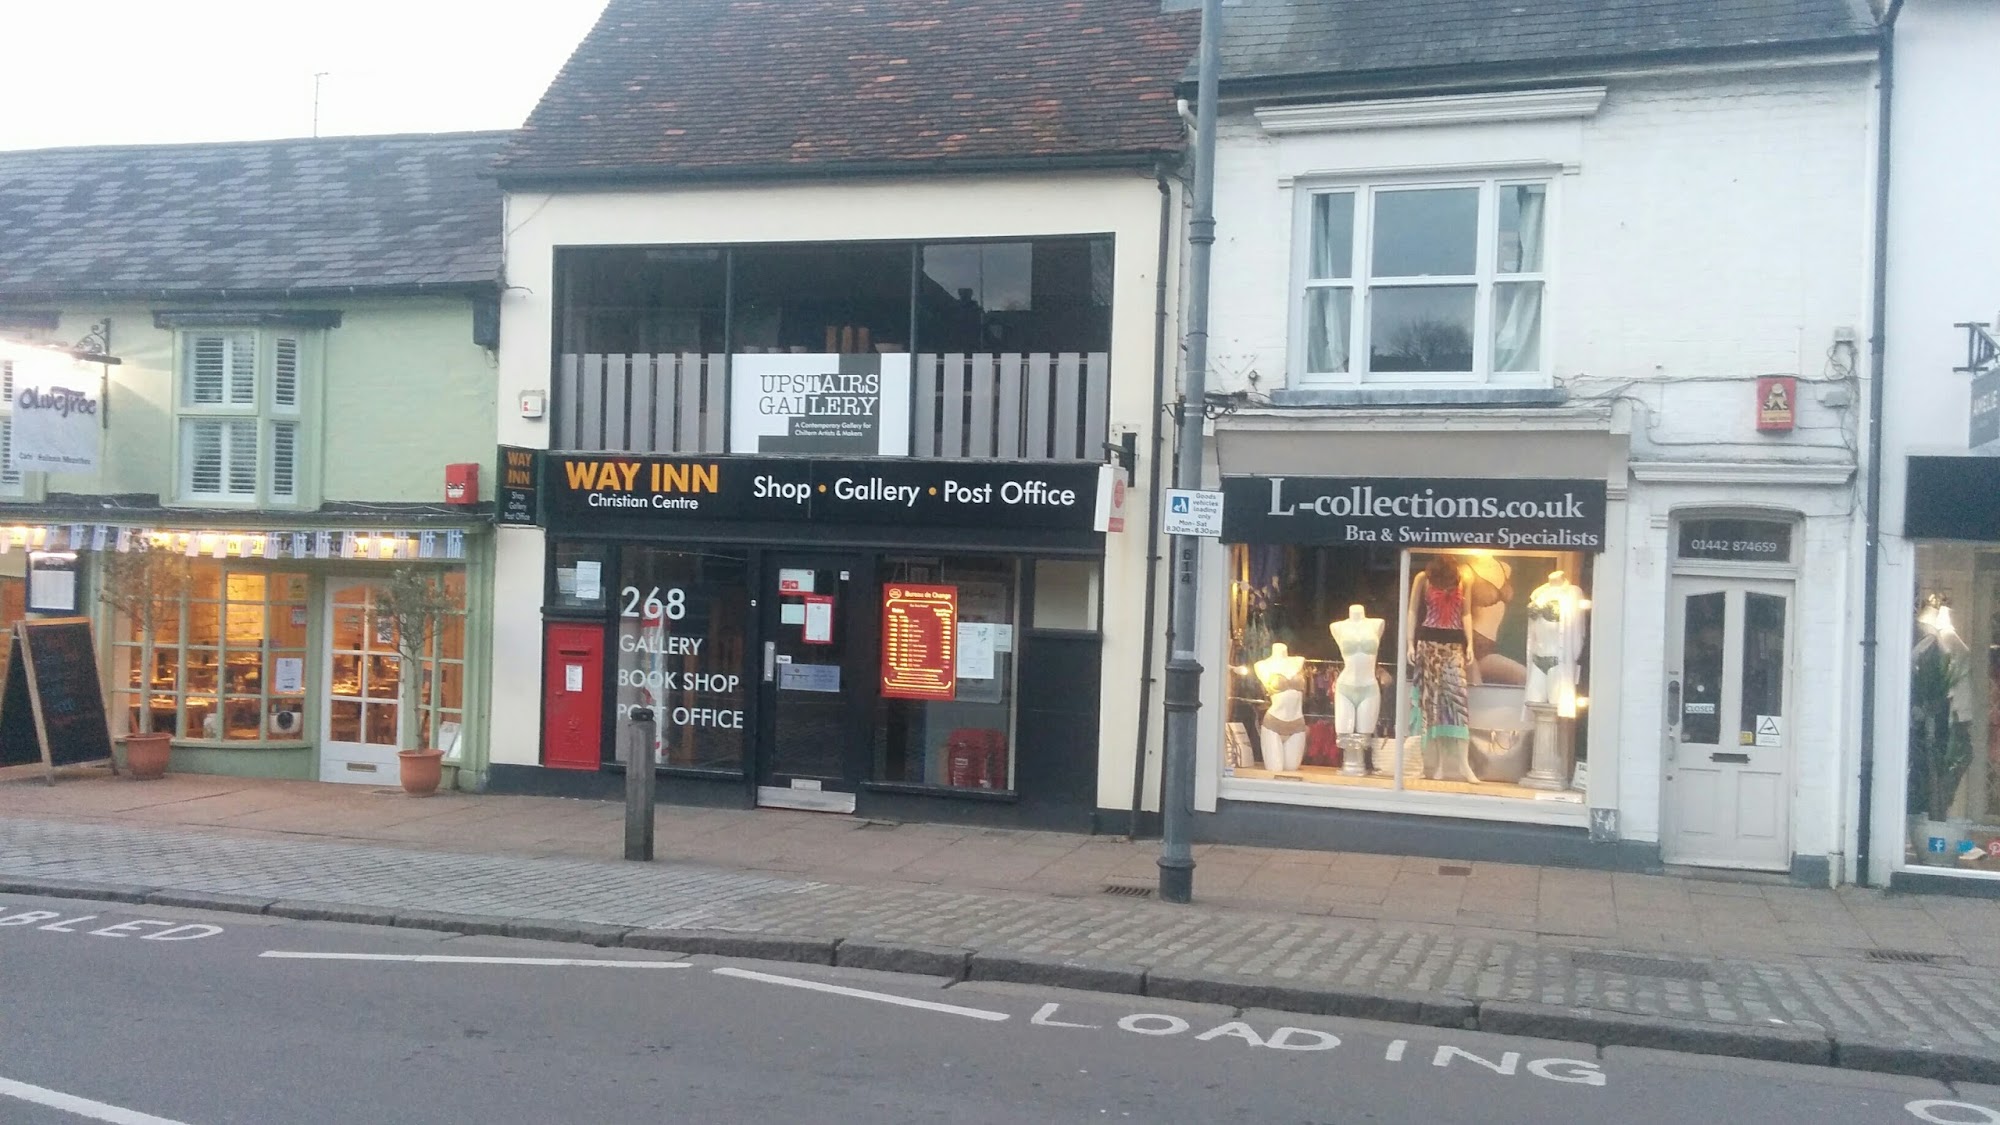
x: 1183, y: 694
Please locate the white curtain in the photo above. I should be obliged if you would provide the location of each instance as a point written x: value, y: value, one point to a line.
x: 1517, y: 305
x: 1329, y: 315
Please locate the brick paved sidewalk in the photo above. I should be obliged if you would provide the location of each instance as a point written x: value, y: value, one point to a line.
x: 497, y: 858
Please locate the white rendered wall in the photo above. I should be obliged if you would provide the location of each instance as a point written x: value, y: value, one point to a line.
x: 1705, y: 228
x: 1944, y: 267
x: 1125, y: 205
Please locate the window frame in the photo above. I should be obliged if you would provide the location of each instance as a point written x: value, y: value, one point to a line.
x: 217, y: 696
x: 266, y: 414
x: 14, y: 483
x: 1361, y: 284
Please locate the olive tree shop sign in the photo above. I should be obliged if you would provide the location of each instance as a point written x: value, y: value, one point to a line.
x: 57, y: 423
x: 844, y: 405
x: 1413, y: 512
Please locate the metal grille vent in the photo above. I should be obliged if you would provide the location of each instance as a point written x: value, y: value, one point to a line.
x: 1123, y: 891
x: 1908, y: 957
x: 1640, y: 966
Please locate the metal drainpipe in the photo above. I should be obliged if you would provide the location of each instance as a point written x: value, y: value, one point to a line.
x: 1153, y: 470
x: 1871, y: 582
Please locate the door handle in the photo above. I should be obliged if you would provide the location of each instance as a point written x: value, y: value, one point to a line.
x: 770, y: 660
x: 1674, y: 702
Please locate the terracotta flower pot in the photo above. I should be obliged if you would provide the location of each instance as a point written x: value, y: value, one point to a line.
x: 146, y: 755
x: 421, y: 770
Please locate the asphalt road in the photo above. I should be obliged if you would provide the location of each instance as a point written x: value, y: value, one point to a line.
x: 152, y: 1025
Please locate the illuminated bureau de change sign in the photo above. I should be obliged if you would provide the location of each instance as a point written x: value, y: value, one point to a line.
x: 919, y: 642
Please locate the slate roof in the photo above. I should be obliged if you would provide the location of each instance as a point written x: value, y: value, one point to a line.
x: 1273, y: 39
x: 251, y: 217
x: 690, y: 88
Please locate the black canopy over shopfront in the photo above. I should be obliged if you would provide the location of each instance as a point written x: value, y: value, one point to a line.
x: 849, y: 635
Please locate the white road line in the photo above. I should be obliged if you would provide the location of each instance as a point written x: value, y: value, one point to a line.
x: 864, y: 994
x: 440, y: 959
x: 82, y: 1107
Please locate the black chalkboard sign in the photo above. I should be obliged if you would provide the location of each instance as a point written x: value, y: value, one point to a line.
x: 53, y: 707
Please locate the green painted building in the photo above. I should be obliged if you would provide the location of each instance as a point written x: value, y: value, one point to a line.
x: 287, y: 352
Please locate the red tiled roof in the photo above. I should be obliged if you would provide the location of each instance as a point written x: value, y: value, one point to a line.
x: 746, y: 87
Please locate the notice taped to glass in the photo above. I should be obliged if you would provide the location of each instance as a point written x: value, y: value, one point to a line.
x: 1415, y: 512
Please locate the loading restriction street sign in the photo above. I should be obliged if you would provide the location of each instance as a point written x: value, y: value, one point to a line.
x: 1190, y: 512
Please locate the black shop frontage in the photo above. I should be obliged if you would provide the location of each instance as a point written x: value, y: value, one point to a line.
x: 893, y: 637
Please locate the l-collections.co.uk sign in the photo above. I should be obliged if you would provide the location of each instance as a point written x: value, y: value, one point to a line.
x: 1415, y: 512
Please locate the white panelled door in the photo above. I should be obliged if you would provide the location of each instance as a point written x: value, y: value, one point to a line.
x: 363, y: 712
x: 1729, y: 730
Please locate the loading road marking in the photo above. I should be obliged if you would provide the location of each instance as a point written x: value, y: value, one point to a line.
x: 81, y: 1107
x: 442, y: 959
x: 864, y: 994
x: 1926, y: 1110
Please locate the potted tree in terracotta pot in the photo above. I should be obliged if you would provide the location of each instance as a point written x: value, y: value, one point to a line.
x: 1940, y: 751
x: 417, y: 599
x: 146, y: 584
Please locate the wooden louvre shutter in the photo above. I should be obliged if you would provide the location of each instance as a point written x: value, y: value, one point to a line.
x: 285, y: 374
x: 201, y: 453
x: 208, y: 360
x: 240, y: 438
x: 284, y: 460
x: 10, y: 477
x: 242, y: 370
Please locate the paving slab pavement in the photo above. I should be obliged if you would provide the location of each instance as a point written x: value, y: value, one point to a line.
x: 1763, y: 970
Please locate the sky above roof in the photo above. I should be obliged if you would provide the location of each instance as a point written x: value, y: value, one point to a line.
x: 96, y: 72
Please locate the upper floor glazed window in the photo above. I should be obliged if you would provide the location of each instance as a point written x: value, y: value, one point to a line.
x: 1422, y: 282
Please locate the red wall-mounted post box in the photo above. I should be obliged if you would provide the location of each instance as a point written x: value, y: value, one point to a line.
x: 461, y: 483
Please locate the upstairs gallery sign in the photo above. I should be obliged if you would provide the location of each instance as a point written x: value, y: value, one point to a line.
x: 823, y: 404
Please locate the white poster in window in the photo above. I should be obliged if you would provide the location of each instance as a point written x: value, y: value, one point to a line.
x: 854, y: 404
x: 791, y: 613
x: 1770, y: 730
x: 589, y: 580
x: 1003, y: 638
x: 819, y: 619
x: 975, y: 650
x: 57, y: 426
x: 52, y: 590
x: 288, y: 675
x: 448, y: 741
x: 795, y: 580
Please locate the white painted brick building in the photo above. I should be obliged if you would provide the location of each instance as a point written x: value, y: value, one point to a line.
x: 1535, y: 274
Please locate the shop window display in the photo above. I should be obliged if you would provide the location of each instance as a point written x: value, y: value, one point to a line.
x: 966, y: 742
x: 683, y: 627
x: 1460, y: 672
x: 230, y: 666
x: 1953, y: 779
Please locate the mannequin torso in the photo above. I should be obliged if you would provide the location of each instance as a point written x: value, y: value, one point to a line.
x: 1357, y: 698
x: 1283, y: 728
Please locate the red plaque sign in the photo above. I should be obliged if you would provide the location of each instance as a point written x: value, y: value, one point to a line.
x: 1777, y: 403
x: 919, y: 642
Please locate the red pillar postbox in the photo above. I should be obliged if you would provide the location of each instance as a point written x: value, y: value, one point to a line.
x: 573, y: 697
